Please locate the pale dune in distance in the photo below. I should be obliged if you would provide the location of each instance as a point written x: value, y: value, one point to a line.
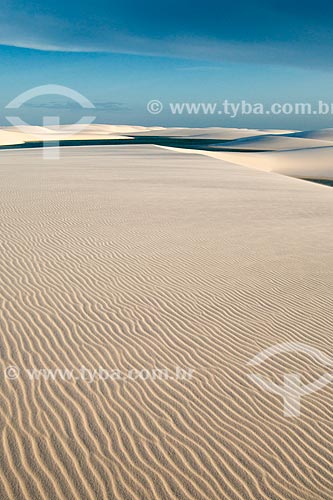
x: 311, y: 163
x: 324, y: 134
x: 64, y: 132
x: 218, y: 133
x: 132, y: 257
x: 10, y: 138
x: 274, y: 143
x: 100, y: 131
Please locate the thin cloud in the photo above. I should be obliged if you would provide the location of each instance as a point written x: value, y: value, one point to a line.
x: 71, y: 105
x: 201, y: 68
x: 240, y: 36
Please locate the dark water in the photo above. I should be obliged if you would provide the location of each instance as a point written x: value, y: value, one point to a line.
x: 158, y: 141
x: 176, y: 142
x: 320, y: 181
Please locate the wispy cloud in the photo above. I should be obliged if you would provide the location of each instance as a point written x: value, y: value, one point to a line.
x: 215, y: 32
x: 201, y: 68
x: 72, y: 105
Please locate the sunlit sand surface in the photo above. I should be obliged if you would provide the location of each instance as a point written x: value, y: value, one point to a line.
x: 137, y: 257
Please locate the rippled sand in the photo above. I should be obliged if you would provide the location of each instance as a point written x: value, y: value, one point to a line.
x: 137, y: 257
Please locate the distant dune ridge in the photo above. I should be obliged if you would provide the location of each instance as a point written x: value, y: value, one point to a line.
x: 218, y: 133
x: 100, y: 131
x: 137, y: 257
x: 65, y: 132
x: 324, y: 134
x: 307, y: 154
x: 275, y: 142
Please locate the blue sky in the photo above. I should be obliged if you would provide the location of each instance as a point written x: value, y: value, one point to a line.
x: 122, y: 54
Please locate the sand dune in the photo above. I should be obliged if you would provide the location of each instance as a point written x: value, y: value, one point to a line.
x: 246, y: 138
x: 218, y: 133
x: 65, y: 132
x: 138, y: 257
x: 312, y: 163
x: 8, y: 138
x: 324, y: 134
x: 273, y: 143
x: 100, y: 131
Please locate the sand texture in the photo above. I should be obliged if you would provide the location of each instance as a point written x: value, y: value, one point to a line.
x: 136, y: 257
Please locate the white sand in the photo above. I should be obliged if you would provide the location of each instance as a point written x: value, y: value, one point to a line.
x: 15, y: 135
x: 8, y: 138
x: 218, y: 133
x: 138, y: 257
x: 325, y: 134
x: 274, y: 143
x: 312, y: 163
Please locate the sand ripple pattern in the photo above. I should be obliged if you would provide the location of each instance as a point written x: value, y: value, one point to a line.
x: 138, y: 257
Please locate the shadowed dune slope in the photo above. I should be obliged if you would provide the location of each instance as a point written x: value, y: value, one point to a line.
x: 274, y: 143
x: 324, y: 134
